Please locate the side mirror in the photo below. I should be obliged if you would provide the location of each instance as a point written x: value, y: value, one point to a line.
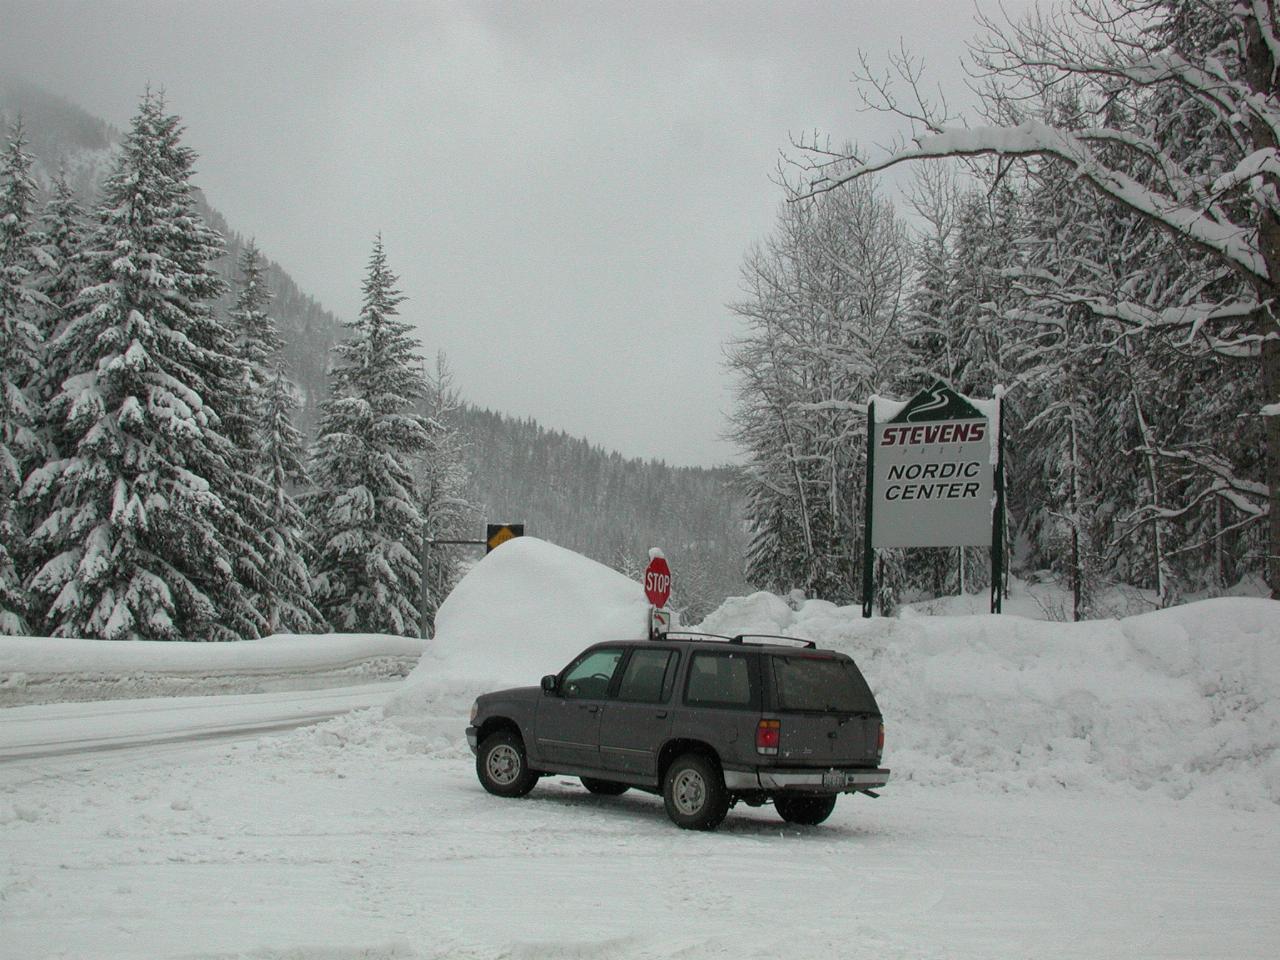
x: 550, y: 684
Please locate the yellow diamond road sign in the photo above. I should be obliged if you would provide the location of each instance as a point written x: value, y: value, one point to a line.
x: 500, y: 533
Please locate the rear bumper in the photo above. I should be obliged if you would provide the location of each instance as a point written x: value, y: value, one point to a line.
x: 837, y: 780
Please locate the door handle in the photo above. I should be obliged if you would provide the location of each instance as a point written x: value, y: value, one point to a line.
x: 589, y: 707
x: 661, y: 714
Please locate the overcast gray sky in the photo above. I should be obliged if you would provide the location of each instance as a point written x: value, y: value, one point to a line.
x: 567, y: 190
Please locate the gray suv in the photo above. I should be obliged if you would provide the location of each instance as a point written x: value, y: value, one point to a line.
x: 705, y: 721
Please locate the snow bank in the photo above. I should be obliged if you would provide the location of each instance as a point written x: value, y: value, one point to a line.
x: 1180, y: 700
x: 523, y: 611
x: 48, y: 669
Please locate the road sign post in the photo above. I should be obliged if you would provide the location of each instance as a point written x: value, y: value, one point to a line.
x: 657, y: 590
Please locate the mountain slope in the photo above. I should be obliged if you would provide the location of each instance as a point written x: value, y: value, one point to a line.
x: 611, y: 508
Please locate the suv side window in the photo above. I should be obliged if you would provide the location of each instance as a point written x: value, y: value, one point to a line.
x: 644, y: 680
x: 722, y: 679
x: 588, y: 678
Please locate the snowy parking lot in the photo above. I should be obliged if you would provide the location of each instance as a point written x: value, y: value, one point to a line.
x: 356, y: 840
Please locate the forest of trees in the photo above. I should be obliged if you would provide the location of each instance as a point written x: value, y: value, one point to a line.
x: 609, y: 507
x: 1104, y: 245
x: 154, y: 483
x: 1108, y: 252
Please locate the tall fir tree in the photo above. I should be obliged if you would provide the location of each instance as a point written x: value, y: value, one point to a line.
x: 442, y: 478
x: 366, y: 504
x: 60, y: 274
x: 19, y: 359
x: 270, y: 447
x: 137, y: 524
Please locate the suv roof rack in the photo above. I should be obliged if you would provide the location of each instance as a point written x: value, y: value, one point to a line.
x: 694, y: 633
x: 738, y: 639
x: 809, y: 644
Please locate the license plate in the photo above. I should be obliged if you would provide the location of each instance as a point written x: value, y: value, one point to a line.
x: 833, y: 779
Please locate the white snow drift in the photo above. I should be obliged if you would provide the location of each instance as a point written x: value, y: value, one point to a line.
x: 1180, y: 700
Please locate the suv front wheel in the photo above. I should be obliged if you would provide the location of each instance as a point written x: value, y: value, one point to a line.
x: 502, y: 766
x: 694, y: 792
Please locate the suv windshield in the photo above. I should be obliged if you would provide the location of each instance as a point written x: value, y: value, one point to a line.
x: 822, y: 684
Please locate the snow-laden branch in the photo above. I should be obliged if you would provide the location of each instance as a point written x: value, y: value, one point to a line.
x: 1233, y: 243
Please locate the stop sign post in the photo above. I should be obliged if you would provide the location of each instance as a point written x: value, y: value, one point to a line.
x: 657, y: 590
x: 657, y: 582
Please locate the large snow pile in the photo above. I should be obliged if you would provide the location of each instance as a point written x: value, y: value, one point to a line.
x: 1180, y: 700
x: 523, y: 611
x: 51, y: 669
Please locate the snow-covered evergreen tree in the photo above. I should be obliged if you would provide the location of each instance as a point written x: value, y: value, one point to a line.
x: 256, y: 341
x: 269, y: 446
x: 441, y: 478
x: 20, y: 347
x: 136, y: 511
x: 60, y: 274
x: 366, y: 506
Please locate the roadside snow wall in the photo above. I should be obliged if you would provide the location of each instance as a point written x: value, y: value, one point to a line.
x: 1185, y: 700
x: 59, y: 669
x: 1180, y: 701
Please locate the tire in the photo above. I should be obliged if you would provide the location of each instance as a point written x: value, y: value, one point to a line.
x: 809, y: 811
x: 694, y: 793
x: 605, y: 788
x: 502, y: 766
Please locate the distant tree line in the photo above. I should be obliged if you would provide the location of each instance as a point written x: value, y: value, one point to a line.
x: 1111, y: 257
x: 153, y: 481
x: 610, y: 507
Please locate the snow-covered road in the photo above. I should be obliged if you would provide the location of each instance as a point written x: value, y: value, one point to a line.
x: 353, y: 839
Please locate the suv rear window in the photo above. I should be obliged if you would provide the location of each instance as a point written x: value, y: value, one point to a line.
x: 825, y: 684
x: 722, y: 680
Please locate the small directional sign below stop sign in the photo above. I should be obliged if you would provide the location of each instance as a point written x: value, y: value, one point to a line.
x: 657, y: 582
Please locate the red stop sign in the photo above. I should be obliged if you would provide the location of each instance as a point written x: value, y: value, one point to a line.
x: 657, y: 582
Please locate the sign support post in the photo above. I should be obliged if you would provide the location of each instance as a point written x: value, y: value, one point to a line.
x: 868, y: 551
x: 657, y: 590
x: 997, y: 514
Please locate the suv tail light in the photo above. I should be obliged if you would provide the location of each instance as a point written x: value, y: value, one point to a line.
x: 768, y: 733
x: 880, y: 744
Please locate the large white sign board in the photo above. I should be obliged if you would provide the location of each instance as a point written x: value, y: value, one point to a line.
x: 932, y: 471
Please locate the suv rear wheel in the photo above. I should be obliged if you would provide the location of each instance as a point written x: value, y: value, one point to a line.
x: 807, y: 810
x: 694, y: 793
x: 502, y: 766
x: 606, y: 788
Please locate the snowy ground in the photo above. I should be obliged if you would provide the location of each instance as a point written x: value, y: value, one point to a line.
x: 1093, y: 791
x: 349, y: 841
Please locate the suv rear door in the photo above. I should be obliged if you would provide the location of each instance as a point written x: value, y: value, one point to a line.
x: 721, y: 702
x: 634, y: 724
x: 829, y: 716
